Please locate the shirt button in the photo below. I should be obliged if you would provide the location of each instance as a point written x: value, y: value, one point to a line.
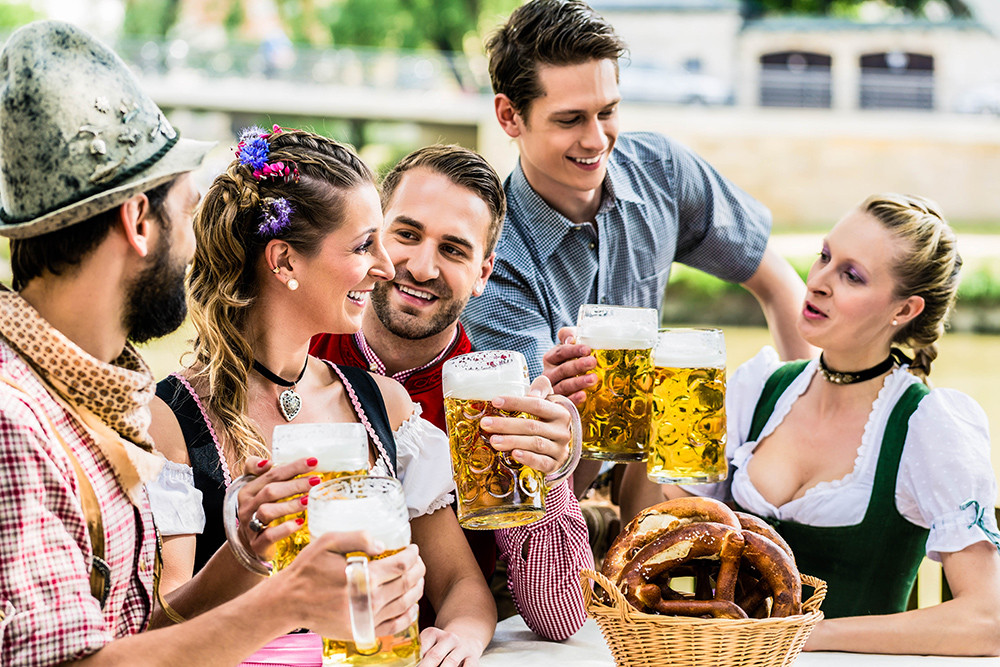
x: 592, y: 245
x: 142, y: 565
x: 604, y: 299
x: 373, y: 367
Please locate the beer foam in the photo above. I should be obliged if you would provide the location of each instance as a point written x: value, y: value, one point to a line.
x: 689, y: 348
x: 617, y: 327
x: 339, y: 447
x: 485, y: 375
x: 369, y: 514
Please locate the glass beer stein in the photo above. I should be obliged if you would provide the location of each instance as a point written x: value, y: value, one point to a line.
x: 687, y: 444
x: 494, y: 491
x: 341, y: 449
x: 616, y: 413
x: 375, y: 505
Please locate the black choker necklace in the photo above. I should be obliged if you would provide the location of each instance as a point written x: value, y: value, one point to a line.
x: 841, y: 377
x: 289, y: 402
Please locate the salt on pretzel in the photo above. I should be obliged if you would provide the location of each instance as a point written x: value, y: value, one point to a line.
x: 645, y: 580
x: 658, y: 520
x: 655, y: 562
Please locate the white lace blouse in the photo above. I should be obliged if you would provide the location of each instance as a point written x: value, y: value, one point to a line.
x: 422, y: 462
x: 175, y: 501
x: 945, y: 461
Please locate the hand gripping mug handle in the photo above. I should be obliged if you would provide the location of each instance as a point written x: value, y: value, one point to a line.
x: 231, y: 522
x: 360, y: 600
x: 576, y: 442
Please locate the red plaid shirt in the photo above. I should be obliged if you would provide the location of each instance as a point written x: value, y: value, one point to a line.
x: 45, y: 550
x: 545, y: 585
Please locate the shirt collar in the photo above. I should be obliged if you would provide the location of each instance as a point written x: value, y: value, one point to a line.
x: 376, y: 365
x: 549, y: 226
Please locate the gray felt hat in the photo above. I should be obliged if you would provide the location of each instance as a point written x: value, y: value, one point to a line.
x: 77, y: 134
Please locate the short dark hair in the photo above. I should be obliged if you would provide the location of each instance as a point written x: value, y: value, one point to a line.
x: 63, y: 249
x: 547, y: 32
x: 462, y: 167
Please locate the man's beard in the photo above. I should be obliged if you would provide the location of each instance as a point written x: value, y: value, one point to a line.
x: 407, y: 325
x: 155, y: 304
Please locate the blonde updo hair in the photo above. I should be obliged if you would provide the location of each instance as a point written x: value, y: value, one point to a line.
x: 223, y: 281
x: 928, y: 267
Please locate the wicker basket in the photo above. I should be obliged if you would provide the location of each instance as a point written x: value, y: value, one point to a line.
x: 638, y: 639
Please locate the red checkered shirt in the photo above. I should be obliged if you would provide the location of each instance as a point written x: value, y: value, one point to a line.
x: 545, y: 585
x: 50, y: 615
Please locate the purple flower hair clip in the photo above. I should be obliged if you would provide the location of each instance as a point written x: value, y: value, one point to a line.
x: 253, y: 150
x: 275, y: 217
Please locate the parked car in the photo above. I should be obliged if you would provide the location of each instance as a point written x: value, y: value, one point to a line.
x: 646, y: 82
x: 982, y: 99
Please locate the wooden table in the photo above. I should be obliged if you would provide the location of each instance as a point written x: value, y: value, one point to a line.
x: 514, y: 645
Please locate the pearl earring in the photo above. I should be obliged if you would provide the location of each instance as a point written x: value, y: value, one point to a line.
x: 293, y: 284
x: 895, y: 323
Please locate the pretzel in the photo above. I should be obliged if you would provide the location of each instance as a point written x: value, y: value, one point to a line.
x: 658, y: 520
x: 739, y: 573
x: 640, y: 580
x: 778, y: 571
x: 761, y: 527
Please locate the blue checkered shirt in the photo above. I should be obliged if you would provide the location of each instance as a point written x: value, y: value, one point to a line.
x: 662, y: 203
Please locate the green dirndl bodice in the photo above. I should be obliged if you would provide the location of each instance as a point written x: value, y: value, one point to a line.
x: 870, y: 567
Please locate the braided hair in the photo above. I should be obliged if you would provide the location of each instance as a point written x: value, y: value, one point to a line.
x: 222, y: 282
x: 928, y: 268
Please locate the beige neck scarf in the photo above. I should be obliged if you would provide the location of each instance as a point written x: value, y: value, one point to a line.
x: 118, y: 393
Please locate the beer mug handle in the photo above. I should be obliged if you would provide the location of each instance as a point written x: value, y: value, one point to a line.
x: 231, y: 522
x: 359, y: 596
x: 576, y: 440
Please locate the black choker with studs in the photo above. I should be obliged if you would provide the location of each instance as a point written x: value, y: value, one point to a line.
x: 842, y: 377
x: 289, y: 402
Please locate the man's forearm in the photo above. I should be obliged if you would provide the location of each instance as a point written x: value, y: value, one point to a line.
x: 781, y: 293
x: 222, y: 579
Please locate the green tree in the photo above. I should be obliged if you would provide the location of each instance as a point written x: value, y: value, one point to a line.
x: 14, y: 14
x: 442, y: 25
x: 846, y: 7
x: 149, y: 18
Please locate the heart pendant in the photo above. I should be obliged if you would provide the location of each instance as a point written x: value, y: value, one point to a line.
x: 290, y: 404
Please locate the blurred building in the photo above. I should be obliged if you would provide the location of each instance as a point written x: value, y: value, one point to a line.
x: 709, y: 51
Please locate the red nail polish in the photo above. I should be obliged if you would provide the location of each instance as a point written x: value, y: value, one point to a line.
x: 304, y: 500
x: 300, y: 521
x: 312, y: 461
x: 262, y: 463
x: 313, y: 481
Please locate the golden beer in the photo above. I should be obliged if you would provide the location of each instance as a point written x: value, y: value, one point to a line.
x: 398, y: 649
x: 617, y: 410
x: 342, y: 451
x: 494, y: 490
x: 375, y: 505
x: 688, y: 440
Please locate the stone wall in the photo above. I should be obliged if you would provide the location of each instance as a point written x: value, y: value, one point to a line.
x: 811, y: 166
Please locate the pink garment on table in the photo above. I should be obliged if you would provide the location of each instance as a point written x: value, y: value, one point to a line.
x: 546, y: 585
x: 302, y: 649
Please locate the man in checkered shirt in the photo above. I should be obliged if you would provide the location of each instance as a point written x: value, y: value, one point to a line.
x: 598, y: 217
x: 96, y: 194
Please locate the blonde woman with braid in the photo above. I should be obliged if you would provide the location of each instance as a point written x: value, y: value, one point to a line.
x: 288, y: 246
x: 861, y: 466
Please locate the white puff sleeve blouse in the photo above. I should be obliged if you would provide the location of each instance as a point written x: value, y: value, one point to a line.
x: 175, y: 501
x: 945, y: 481
x: 423, y: 465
